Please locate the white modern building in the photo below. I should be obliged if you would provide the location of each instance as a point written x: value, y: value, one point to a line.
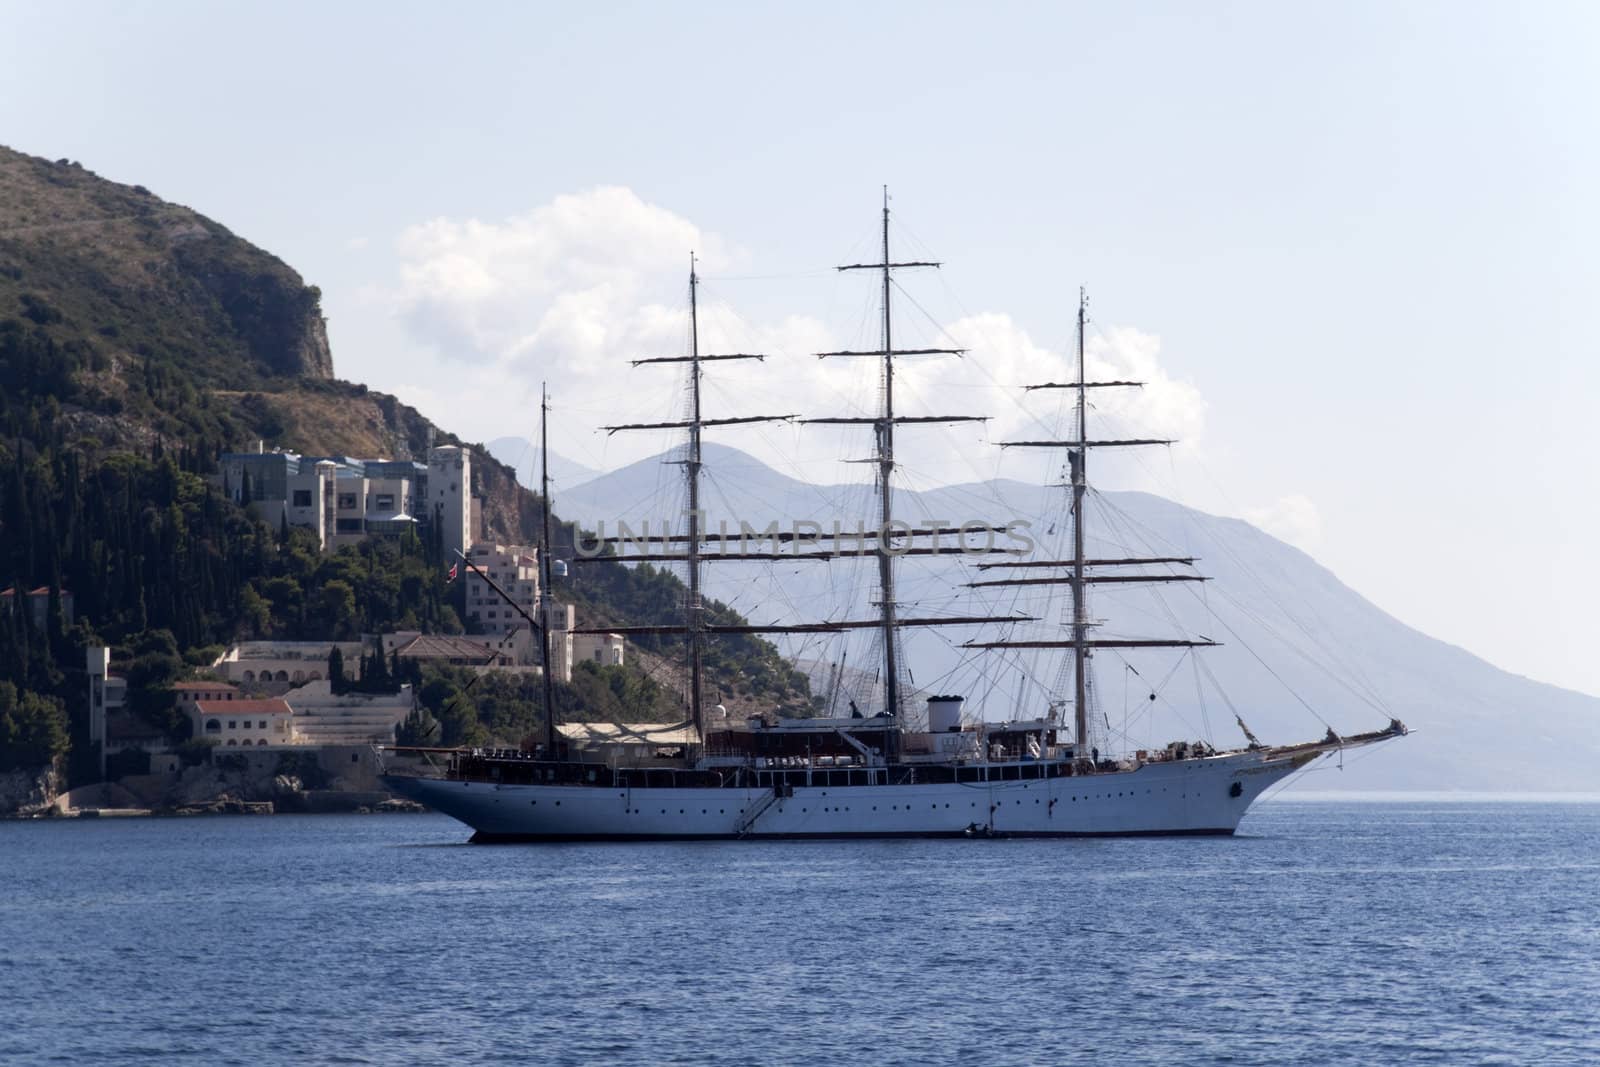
x: 515, y: 569
x: 344, y: 499
x: 107, y: 695
x: 446, y: 497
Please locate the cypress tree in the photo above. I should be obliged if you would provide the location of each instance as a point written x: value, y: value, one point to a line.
x: 336, y: 678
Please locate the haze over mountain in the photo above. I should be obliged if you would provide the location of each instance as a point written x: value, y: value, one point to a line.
x: 522, y: 456
x: 1301, y: 651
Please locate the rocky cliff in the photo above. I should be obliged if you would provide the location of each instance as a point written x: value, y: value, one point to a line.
x: 120, y: 271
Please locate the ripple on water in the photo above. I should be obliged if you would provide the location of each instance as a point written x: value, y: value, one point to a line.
x: 1446, y: 933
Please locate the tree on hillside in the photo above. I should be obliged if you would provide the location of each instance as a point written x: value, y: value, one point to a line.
x: 33, y: 729
x: 336, y: 678
x: 337, y: 609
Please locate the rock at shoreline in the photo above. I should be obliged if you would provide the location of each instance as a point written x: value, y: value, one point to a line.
x: 228, y: 806
x: 31, y: 791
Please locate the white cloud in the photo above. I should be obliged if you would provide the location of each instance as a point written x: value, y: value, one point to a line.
x: 573, y: 289
x: 1292, y: 518
x: 564, y: 284
x: 1164, y: 407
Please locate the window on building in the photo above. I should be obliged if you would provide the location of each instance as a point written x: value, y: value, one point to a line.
x: 347, y: 501
x: 348, y: 526
x: 302, y: 498
x: 385, y: 502
x: 263, y: 724
x: 233, y: 724
x: 213, y: 726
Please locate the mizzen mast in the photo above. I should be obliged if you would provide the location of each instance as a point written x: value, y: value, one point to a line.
x: 1079, y: 577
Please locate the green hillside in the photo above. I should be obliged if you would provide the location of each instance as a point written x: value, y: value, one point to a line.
x: 138, y: 340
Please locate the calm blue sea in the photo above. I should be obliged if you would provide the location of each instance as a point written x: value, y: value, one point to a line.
x: 1350, y: 933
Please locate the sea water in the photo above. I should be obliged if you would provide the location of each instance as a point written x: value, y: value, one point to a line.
x: 1443, y: 932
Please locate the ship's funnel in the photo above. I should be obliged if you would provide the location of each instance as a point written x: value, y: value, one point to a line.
x: 944, y: 714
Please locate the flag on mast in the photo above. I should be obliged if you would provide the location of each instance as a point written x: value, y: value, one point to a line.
x: 453, y: 572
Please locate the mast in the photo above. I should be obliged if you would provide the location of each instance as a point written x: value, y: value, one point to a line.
x: 544, y: 574
x: 1079, y: 576
x: 885, y: 459
x: 694, y: 606
x: 541, y: 625
x: 1080, y: 608
x: 883, y: 456
x: 692, y: 471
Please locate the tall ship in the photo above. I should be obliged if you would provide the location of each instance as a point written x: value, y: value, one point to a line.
x: 908, y: 767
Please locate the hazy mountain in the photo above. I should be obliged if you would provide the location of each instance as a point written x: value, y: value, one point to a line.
x: 522, y: 456
x: 1293, y: 635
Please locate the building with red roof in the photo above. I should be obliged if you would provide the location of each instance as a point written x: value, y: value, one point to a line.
x: 243, y: 723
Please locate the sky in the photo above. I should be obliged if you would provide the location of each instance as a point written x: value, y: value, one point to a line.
x: 1351, y: 247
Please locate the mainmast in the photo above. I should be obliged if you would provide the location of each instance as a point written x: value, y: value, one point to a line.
x: 884, y: 456
x: 1080, y: 575
x: 885, y: 436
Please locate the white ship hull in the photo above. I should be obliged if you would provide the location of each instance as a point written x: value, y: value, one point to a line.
x: 1192, y: 796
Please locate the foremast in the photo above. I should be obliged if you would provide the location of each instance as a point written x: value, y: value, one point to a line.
x: 694, y: 627
x: 1080, y: 573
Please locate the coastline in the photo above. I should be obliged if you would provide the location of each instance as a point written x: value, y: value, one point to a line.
x: 389, y: 806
